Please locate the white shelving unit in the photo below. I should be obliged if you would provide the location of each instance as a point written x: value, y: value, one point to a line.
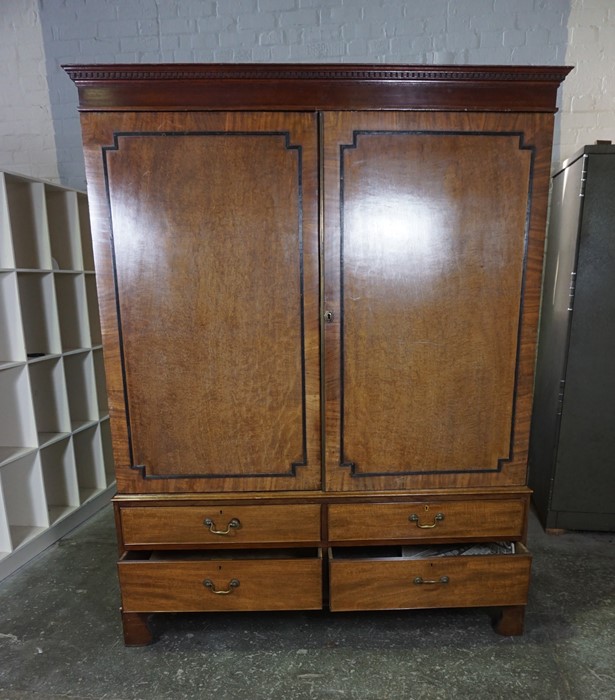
x: 56, y: 465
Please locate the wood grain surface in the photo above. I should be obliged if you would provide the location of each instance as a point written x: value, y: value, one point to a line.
x: 165, y: 526
x: 461, y: 520
x: 214, y: 275
x: 386, y: 584
x: 255, y: 226
x: 310, y: 87
x: 274, y: 584
x: 433, y: 282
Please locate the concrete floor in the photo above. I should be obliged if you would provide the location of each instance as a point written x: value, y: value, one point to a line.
x: 60, y: 637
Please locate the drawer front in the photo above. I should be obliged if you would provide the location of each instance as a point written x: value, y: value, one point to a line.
x: 188, y: 586
x: 445, y: 520
x: 159, y: 526
x: 430, y: 583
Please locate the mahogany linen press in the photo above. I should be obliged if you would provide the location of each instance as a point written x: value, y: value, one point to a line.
x: 319, y: 288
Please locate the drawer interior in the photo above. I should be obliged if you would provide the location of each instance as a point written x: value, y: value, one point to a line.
x: 221, y: 554
x: 420, y: 552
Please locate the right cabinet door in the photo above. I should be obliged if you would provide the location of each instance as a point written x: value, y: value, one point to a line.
x: 433, y: 248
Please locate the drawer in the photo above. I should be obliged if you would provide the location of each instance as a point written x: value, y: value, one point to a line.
x: 434, y: 520
x: 394, y: 583
x: 223, y: 526
x: 188, y: 582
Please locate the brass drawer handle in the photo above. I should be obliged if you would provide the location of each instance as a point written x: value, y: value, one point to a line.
x: 438, y: 518
x: 419, y: 580
x: 233, y: 584
x: 234, y: 524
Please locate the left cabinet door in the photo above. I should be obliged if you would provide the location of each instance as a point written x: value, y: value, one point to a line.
x: 206, y: 243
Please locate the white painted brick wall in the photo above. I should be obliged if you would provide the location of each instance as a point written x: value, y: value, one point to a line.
x: 27, y: 143
x: 588, y: 94
x: 394, y: 31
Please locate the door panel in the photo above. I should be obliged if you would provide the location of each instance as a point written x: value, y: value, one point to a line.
x: 555, y: 322
x: 213, y: 220
x: 426, y: 228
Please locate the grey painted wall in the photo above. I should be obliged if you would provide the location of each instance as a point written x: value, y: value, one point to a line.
x: 379, y: 31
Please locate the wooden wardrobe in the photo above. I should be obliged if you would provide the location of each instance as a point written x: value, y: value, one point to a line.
x: 319, y: 289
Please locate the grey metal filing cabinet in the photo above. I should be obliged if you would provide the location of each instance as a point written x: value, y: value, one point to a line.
x: 572, y: 443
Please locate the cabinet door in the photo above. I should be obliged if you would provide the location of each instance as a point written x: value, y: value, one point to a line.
x: 207, y: 250
x: 434, y: 236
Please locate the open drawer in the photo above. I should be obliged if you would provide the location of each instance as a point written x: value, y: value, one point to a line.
x: 213, y: 580
x: 381, y: 578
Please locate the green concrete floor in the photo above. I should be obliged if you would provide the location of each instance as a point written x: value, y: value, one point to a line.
x: 60, y: 637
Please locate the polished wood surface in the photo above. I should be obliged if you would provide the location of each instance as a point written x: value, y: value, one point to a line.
x: 432, y: 521
x: 320, y: 497
x: 386, y: 584
x: 255, y: 226
x: 267, y: 584
x: 509, y: 620
x: 215, y: 375
x: 136, y: 630
x: 185, y: 526
x: 433, y: 286
x: 326, y: 87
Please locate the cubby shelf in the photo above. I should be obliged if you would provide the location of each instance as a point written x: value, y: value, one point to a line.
x: 56, y: 464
